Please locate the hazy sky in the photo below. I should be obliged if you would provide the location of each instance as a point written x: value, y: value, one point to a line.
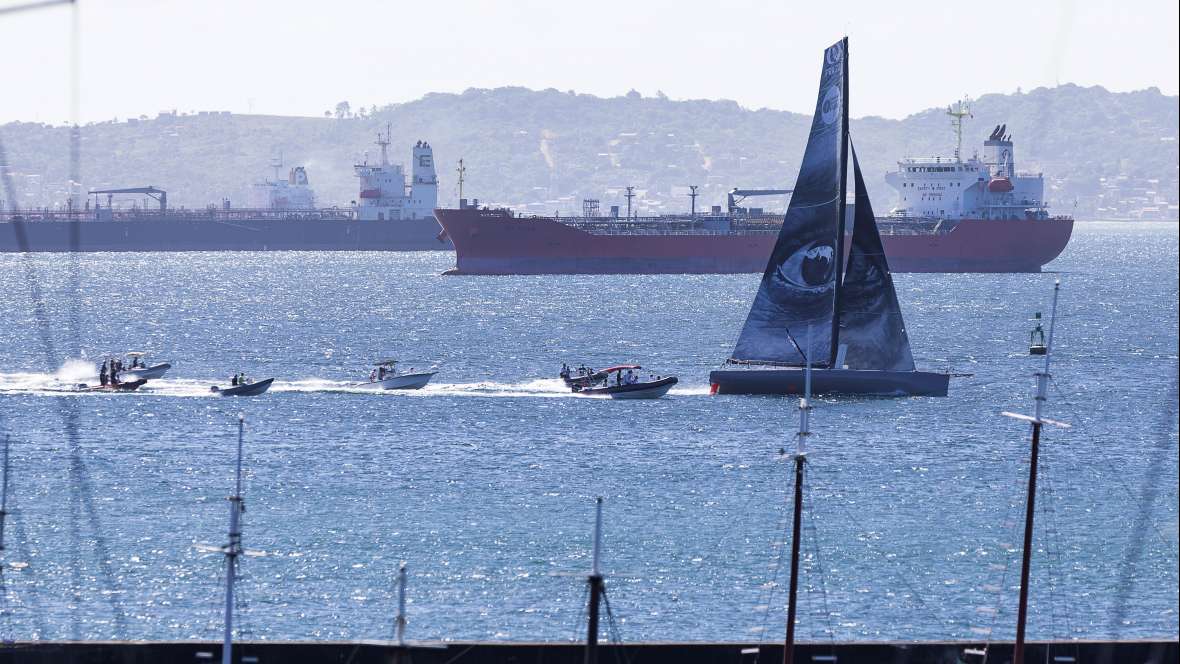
x: 300, y: 58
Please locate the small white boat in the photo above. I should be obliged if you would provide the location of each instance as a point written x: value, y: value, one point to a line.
x: 135, y: 369
x: 386, y: 377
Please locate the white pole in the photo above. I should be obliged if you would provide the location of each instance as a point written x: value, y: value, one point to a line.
x: 401, y: 605
x: 805, y: 403
x: 4, y: 494
x: 597, y: 536
x: 1043, y: 376
x: 232, y: 550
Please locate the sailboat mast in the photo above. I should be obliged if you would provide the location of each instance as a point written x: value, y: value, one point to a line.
x: 1030, y: 504
x: 842, y: 206
x: 4, y: 494
x: 400, y: 626
x: 800, y: 457
x: 595, y: 589
x: 232, y: 551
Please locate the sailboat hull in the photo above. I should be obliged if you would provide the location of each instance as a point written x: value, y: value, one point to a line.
x: 830, y: 381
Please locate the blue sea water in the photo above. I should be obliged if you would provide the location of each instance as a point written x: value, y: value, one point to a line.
x: 484, y: 482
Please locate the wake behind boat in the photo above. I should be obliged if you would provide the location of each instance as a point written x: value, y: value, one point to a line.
x: 386, y: 377
x: 811, y: 311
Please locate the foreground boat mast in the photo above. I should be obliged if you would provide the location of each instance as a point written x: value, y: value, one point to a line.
x: 1037, y: 422
x: 800, y: 459
x: 232, y: 551
x: 595, y: 588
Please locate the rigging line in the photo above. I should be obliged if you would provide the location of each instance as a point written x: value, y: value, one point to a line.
x: 771, y: 585
x: 36, y: 4
x: 582, y: 614
x: 67, y: 410
x: 733, y: 523
x: 1051, y: 537
x: 1147, y: 498
x: 1009, y: 556
x: 819, y: 566
x: 619, y: 649
x: 848, y: 514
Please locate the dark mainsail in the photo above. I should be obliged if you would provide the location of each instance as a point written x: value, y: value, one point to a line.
x: 871, y: 326
x: 795, y: 308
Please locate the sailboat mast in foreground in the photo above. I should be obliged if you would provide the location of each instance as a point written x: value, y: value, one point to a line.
x: 800, y: 459
x: 1037, y: 421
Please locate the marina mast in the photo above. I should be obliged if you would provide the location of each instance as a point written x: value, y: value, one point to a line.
x: 232, y: 551
x: 1037, y: 421
x: 800, y: 459
x: 596, y: 588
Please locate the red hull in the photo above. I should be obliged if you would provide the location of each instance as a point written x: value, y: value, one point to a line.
x: 494, y: 242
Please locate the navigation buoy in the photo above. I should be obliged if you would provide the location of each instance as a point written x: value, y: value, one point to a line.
x: 1036, y: 338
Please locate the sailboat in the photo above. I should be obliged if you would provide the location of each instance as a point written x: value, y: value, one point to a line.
x: 811, y: 308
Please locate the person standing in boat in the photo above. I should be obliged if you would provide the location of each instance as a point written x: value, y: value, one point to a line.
x: 102, y: 374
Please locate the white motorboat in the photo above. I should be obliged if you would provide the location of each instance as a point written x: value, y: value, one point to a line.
x: 135, y: 368
x: 386, y: 377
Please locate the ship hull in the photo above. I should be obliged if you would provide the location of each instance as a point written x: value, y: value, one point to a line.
x: 490, y: 242
x: 223, y: 235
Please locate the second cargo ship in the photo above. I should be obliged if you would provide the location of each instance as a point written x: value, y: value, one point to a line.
x: 952, y: 215
x: 390, y: 214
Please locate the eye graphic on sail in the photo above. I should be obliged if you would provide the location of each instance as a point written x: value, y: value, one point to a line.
x: 797, y: 291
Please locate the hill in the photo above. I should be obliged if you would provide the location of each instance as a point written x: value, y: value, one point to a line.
x: 547, y: 150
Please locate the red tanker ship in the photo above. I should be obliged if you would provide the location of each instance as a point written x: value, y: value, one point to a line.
x: 952, y: 215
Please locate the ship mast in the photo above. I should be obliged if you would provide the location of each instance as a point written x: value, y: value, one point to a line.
x: 1037, y: 421
x: 800, y: 459
x: 960, y: 110
x: 383, y: 141
x: 461, y: 171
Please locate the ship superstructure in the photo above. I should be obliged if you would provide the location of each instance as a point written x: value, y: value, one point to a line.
x: 981, y: 187
x: 384, y: 194
x: 293, y: 193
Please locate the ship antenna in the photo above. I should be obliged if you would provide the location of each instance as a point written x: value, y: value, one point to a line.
x: 383, y: 141
x: 960, y: 110
x: 1037, y: 421
x: 461, y: 170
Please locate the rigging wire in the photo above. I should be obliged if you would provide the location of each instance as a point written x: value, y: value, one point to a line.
x: 81, y: 498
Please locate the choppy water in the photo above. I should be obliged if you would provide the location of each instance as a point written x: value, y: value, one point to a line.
x: 484, y: 482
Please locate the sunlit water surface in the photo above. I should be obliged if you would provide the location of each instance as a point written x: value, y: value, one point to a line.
x: 484, y: 482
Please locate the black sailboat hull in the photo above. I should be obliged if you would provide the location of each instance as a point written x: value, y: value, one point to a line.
x: 830, y: 381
